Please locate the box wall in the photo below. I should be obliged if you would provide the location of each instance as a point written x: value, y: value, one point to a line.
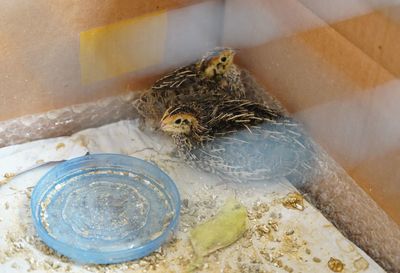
x: 323, y: 63
x: 40, y: 48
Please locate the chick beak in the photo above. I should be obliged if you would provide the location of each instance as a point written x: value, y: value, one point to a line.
x: 162, y: 125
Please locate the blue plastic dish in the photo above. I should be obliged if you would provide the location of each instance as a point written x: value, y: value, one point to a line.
x: 105, y: 208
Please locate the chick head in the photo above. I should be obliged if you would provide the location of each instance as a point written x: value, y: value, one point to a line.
x: 217, y: 62
x: 178, y: 121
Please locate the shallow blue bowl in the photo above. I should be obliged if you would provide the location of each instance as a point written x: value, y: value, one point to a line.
x: 105, y: 208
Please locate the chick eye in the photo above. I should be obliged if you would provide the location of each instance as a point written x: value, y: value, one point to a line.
x: 178, y: 121
x: 223, y: 59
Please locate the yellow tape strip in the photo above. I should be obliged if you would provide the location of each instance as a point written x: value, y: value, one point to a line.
x: 125, y: 46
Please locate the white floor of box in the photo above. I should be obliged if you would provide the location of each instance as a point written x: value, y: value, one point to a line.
x: 279, y: 239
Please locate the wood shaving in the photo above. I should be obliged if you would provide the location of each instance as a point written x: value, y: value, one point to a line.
x: 9, y: 175
x: 335, y: 265
x: 361, y: 264
x: 316, y: 260
x: 60, y: 146
x: 293, y: 201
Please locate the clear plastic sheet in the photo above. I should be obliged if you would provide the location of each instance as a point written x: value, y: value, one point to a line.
x: 66, y: 121
x: 327, y: 185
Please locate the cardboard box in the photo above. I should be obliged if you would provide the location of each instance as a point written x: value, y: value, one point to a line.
x: 333, y: 64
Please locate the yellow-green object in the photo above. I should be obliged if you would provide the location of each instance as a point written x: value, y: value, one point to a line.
x: 224, y: 229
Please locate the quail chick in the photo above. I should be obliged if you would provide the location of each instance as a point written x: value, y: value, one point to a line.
x: 213, y: 74
x: 250, y: 143
x: 221, y: 114
x: 214, y: 70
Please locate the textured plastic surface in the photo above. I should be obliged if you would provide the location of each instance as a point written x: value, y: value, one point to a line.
x: 105, y: 208
x: 68, y: 120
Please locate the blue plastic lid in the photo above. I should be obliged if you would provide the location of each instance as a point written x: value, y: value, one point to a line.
x: 105, y: 208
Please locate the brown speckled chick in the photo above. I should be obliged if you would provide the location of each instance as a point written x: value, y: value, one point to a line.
x: 239, y: 140
x: 215, y: 73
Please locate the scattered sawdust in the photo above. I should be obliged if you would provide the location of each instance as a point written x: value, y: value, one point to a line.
x: 335, y: 265
x: 82, y: 140
x: 258, y: 210
x: 7, y: 177
x: 293, y: 201
x: 261, y: 207
x: 361, y: 264
x: 289, y: 232
x: 269, y: 244
x: 273, y: 224
x: 263, y: 230
x: 60, y: 145
x: 316, y: 260
x: 290, y: 245
x: 4, y: 181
